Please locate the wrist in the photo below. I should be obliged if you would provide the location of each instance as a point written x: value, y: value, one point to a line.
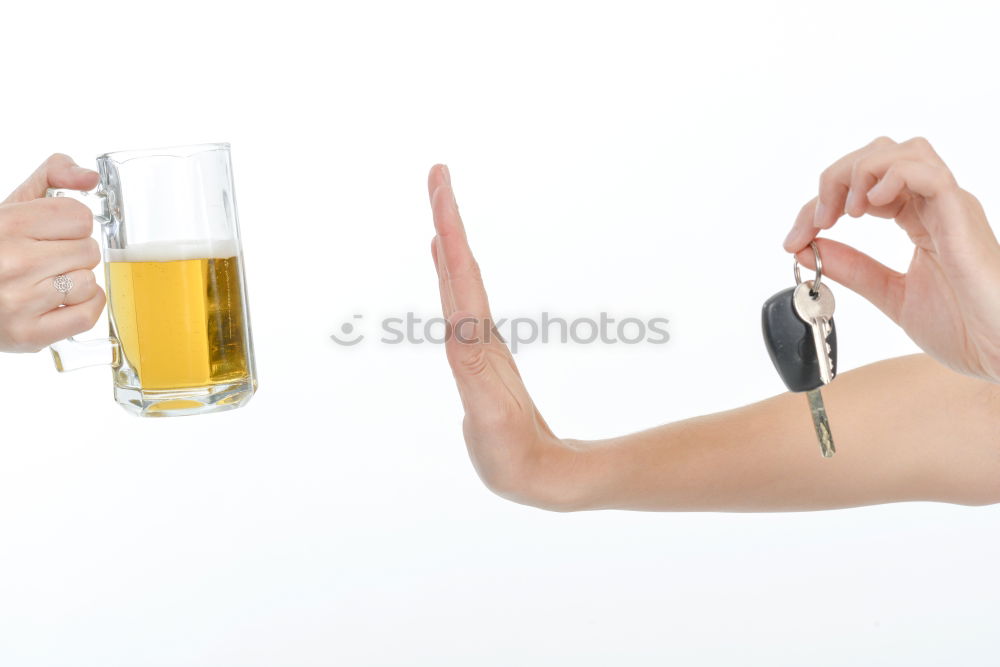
x: 572, y: 478
x: 558, y: 479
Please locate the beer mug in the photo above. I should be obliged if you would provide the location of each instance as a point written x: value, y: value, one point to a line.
x: 180, y: 340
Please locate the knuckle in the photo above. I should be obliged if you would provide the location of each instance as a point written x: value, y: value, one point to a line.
x: 828, y: 183
x: 920, y: 143
x: 93, y: 254
x: 925, y: 150
x: 99, y: 300
x: 825, y: 176
x: 82, y: 321
x: 10, y: 301
x: 944, y: 179
x: 881, y: 142
x: 973, y: 202
x: 56, y: 159
x: 77, y: 214
x: 84, y: 286
x: 474, y: 362
x: 85, y: 318
x: 87, y: 282
x: 12, y: 263
x: 861, y: 166
x: 8, y: 221
x: 83, y: 220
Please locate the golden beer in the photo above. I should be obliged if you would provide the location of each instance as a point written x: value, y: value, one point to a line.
x: 177, y: 310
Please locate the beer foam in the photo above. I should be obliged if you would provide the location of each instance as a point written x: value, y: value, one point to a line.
x: 172, y: 251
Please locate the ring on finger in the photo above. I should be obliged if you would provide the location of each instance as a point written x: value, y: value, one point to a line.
x: 63, y: 284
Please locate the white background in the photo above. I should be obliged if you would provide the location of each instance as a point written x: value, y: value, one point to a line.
x: 639, y: 159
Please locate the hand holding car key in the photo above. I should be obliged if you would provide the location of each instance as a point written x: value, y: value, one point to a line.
x: 802, y: 342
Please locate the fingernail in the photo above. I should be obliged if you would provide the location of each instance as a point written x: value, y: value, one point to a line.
x: 819, y: 215
x: 447, y: 174
x: 82, y: 170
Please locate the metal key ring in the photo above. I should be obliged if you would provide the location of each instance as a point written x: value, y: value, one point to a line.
x: 819, y: 268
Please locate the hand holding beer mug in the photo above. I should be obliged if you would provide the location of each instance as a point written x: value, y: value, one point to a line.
x: 180, y: 340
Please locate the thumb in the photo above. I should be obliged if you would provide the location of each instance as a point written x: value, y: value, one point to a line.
x: 59, y: 171
x: 858, y: 272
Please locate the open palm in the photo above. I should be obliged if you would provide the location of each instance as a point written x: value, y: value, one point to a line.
x: 512, y: 448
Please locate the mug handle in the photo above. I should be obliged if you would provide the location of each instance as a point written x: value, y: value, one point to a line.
x: 71, y: 354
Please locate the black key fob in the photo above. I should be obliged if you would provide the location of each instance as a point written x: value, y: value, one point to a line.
x: 789, y: 341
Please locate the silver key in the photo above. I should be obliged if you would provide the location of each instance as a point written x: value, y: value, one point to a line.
x: 816, y: 308
x: 821, y: 423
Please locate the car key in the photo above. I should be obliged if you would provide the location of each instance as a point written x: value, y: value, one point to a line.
x: 801, y: 339
x: 815, y: 306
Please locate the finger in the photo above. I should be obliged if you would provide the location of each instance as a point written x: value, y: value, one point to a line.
x: 844, y: 183
x: 460, y: 268
x: 444, y: 288
x: 858, y: 272
x: 443, y: 200
x: 43, y: 296
x: 58, y: 171
x: 906, y: 179
x: 834, y: 183
x: 438, y: 176
x: 440, y: 190
x: 870, y: 168
x: 69, y: 321
x: 50, y: 258
x: 926, y: 180
x: 48, y: 219
x: 803, y: 231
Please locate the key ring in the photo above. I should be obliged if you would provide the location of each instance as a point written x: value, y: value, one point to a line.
x: 819, y: 269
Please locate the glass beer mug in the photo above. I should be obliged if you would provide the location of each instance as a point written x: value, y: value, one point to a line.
x: 180, y: 341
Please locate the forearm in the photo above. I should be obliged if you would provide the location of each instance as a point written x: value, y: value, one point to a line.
x: 905, y: 429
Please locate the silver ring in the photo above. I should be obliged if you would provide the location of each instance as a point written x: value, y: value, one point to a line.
x: 819, y: 268
x: 63, y: 284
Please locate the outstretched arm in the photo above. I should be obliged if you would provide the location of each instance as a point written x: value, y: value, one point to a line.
x: 906, y: 429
